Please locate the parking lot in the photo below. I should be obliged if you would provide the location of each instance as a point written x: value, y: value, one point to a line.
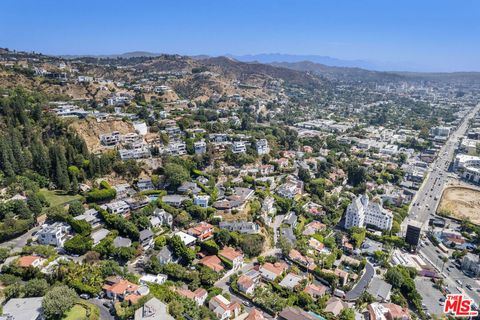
x: 430, y: 295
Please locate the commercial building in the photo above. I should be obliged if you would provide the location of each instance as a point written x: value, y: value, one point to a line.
x: 414, y: 230
x: 471, y: 263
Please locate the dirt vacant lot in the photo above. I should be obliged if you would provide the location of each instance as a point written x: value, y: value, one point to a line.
x: 462, y: 203
x: 90, y: 130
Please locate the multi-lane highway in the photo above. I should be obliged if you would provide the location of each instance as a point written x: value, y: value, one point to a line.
x: 454, y: 278
x: 428, y: 196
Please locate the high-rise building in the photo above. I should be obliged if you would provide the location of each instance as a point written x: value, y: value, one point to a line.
x: 414, y: 230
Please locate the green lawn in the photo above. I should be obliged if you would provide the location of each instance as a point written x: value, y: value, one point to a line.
x: 55, y: 197
x: 76, y: 313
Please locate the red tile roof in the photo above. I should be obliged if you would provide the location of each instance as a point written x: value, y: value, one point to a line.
x: 230, y: 253
x: 212, y: 262
x: 202, y: 230
x: 245, y: 282
x: 276, y: 268
x: 27, y: 261
x: 255, y: 314
x: 121, y: 286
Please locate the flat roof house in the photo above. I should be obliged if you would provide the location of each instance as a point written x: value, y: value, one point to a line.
x: 54, y: 234
x: 187, y: 239
x: 247, y: 227
x: 290, y: 281
x: 201, y: 200
x: 174, y: 200
x: 118, y: 207
x: 23, y: 309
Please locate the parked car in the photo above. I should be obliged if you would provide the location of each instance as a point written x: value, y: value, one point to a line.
x: 85, y: 296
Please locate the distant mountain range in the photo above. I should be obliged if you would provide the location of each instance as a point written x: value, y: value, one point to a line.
x: 325, y: 66
x: 126, y: 55
x: 291, y: 58
x: 267, y: 58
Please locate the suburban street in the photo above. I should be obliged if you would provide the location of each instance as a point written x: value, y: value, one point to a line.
x: 428, y: 196
x: 362, y: 284
x: 18, y: 243
x: 431, y: 254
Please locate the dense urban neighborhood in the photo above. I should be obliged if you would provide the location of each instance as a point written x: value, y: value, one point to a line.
x: 172, y: 187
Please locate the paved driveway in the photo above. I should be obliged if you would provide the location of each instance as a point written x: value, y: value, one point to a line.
x: 104, y: 313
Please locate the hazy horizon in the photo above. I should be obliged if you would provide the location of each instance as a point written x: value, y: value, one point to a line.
x: 431, y: 36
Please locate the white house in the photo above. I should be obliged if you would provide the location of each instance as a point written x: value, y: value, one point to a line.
x: 150, y: 278
x: 223, y: 308
x: 239, y: 147
x: 164, y: 218
x: 164, y: 256
x: 54, y: 234
x: 233, y: 256
x: 247, y: 227
x: 177, y: 148
x: 201, y: 200
x: 200, y: 147
x: 118, y: 207
x: 262, y: 146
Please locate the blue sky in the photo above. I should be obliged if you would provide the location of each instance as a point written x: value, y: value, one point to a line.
x: 403, y: 34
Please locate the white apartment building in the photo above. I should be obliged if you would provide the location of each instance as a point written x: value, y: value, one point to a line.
x: 362, y: 212
x: 200, y: 147
x: 110, y: 139
x: 463, y: 161
x: 177, y: 148
x: 440, y: 131
x: 239, y: 147
x: 118, y: 207
x: 54, y: 234
x: 137, y: 153
x: 262, y: 146
x: 469, y: 167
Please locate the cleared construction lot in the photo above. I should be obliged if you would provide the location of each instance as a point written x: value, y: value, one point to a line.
x: 461, y: 203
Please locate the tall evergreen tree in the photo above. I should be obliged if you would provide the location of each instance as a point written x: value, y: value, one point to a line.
x: 17, y: 151
x: 74, y: 184
x: 40, y: 159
